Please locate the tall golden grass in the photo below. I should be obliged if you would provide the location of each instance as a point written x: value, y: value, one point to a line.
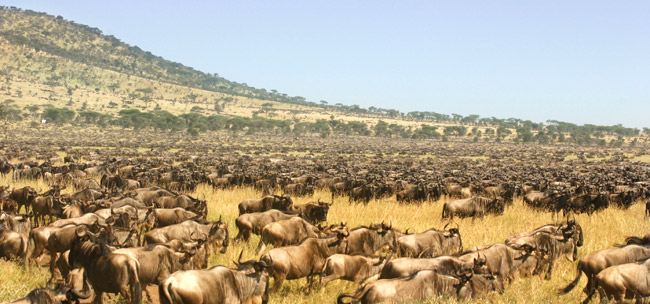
x: 601, y: 230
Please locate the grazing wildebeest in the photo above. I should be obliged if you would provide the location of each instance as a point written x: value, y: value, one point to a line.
x: 369, y: 239
x: 430, y: 243
x: 63, y: 295
x: 449, y: 265
x: 216, y: 232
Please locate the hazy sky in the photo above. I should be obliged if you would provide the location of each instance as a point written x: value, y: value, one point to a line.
x: 575, y: 61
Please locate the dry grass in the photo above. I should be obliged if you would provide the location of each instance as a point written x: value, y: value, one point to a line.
x: 601, y: 230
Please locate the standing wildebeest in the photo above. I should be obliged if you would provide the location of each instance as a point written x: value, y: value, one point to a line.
x: 473, y: 207
x: 186, y: 202
x: 157, y: 262
x: 594, y: 262
x: 265, y: 203
x: 430, y: 243
x: 220, y: 285
x: 167, y: 217
x: 625, y: 281
x: 217, y: 233
x: 287, y: 232
x: 414, y: 193
x: 23, y: 197
x: 355, y: 268
x: 13, y: 244
x: 106, y: 272
x: 306, y: 259
x: 587, y: 203
x: 505, y: 262
x: 449, y: 265
x: 313, y: 212
x: 368, y: 240
x: 255, y: 222
x: 419, y: 286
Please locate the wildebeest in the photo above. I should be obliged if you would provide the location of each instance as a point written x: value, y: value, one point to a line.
x: 248, y: 223
x: 594, y: 262
x: 246, y: 284
x: 216, y: 232
x: 287, y: 232
x: 23, y: 197
x: 368, y: 240
x: 449, y: 265
x: 13, y: 244
x: 430, y: 243
x: 186, y: 202
x: 106, y: 272
x: 306, y: 259
x: 356, y: 268
x: 265, y: 203
x: 476, y: 206
x: 506, y: 262
x: 624, y: 281
x: 167, y: 217
x: 157, y: 262
x: 421, y: 285
x: 313, y: 212
x: 63, y: 295
x: 413, y: 193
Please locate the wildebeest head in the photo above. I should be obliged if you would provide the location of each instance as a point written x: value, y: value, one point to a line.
x: 219, y: 234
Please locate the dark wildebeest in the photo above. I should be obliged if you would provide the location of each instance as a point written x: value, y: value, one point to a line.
x: 355, y: 268
x: 419, y: 286
x: 46, y: 206
x: 624, y: 281
x: 265, y: 203
x: 246, y: 284
x: 306, y: 259
x: 106, y: 272
x: 314, y: 212
x: 368, y: 240
x: 23, y: 197
x: 647, y: 210
x: 13, y: 244
x: 475, y: 206
x: 288, y: 232
x: 363, y: 193
x: 64, y: 295
x: 248, y: 223
x: 594, y: 262
x: 430, y: 243
x: 587, y: 203
x: 298, y: 189
x: 157, y: 262
x: 414, y: 193
x: 217, y: 233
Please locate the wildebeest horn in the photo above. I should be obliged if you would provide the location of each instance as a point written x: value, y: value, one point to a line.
x: 443, y: 228
x: 219, y: 218
x: 81, y: 232
x: 74, y: 294
x: 240, y: 255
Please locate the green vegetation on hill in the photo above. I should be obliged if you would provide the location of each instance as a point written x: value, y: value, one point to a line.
x: 62, y: 72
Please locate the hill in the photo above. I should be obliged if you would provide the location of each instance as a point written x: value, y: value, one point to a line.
x: 51, y: 65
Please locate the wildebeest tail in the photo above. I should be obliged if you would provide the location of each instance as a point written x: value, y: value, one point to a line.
x: 136, y: 289
x: 591, y: 293
x: 340, y: 298
x: 573, y: 284
x: 25, y: 246
x: 444, y: 211
x: 163, y: 292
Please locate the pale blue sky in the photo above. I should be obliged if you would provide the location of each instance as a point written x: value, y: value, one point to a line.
x: 575, y: 61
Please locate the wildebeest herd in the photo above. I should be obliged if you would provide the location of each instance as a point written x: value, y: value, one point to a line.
x: 118, y: 220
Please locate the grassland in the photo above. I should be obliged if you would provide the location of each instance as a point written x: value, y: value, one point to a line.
x: 601, y: 230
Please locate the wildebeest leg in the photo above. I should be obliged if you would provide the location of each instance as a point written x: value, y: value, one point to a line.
x: 325, y: 280
x: 99, y: 297
x: 53, y: 269
x: 278, y: 280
